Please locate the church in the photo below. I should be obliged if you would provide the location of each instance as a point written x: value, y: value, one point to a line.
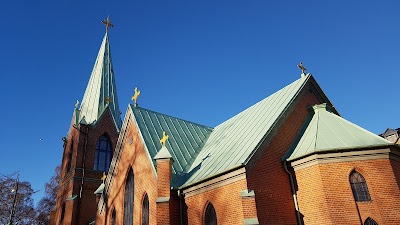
x: 288, y: 159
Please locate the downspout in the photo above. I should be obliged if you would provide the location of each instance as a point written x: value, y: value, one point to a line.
x: 296, y: 205
x: 83, y: 168
x: 180, y: 208
x: 84, y: 159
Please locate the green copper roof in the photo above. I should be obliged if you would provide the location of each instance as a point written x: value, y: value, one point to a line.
x: 101, y: 90
x: 326, y: 131
x: 185, y: 138
x: 233, y: 142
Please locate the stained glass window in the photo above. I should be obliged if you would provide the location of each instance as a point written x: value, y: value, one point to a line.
x: 103, y: 155
x: 370, y: 221
x: 359, y: 187
x: 113, y: 217
x: 129, y: 198
x: 145, y: 211
x: 62, y: 213
x: 210, y: 217
x: 71, y: 151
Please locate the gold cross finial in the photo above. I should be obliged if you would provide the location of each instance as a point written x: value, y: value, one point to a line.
x: 103, y: 178
x: 107, y: 23
x: 136, y: 95
x: 108, y: 100
x: 164, y: 138
x: 76, y: 104
x: 303, y: 69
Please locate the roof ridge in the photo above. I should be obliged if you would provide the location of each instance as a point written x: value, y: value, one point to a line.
x: 264, y: 99
x: 240, y: 136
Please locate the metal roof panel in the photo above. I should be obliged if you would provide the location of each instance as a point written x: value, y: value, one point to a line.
x: 326, y: 131
x: 185, y: 138
x: 233, y: 141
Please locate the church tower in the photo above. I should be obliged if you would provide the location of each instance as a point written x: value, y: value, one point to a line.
x: 90, y: 143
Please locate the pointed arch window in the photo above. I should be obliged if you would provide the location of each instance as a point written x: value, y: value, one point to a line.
x: 359, y: 187
x: 210, y: 216
x: 62, y: 213
x: 129, y: 198
x: 145, y: 210
x: 370, y: 221
x: 71, y: 151
x: 113, y: 217
x: 103, y: 155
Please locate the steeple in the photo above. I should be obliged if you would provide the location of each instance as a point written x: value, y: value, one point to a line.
x: 101, y: 90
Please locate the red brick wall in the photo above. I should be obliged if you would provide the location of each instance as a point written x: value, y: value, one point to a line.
x: 325, y: 195
x: 268, y: 179
x: 81, y: 211
x: 174, y: 208
x: 164, y: 173
x: 226, y: 200
x: 132, y: 156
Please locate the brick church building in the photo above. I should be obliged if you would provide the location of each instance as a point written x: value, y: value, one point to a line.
x: 288, y: 159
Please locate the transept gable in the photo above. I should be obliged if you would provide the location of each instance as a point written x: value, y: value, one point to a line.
x: 186, y: 139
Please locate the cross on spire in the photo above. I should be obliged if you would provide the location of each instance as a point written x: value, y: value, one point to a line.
x: 107, y: 23
x: 136, y: 95
x: 103, y: 178
x: 108, y: 100
x: 164, y: 138
x: 303, y: 69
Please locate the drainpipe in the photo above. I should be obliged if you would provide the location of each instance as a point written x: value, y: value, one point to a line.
x: 294, y: 193
x: 83, y: 167
x: 180, y: 208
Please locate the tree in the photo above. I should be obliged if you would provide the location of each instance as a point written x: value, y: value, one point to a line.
x: 48, y: 202
x: 18, y: 194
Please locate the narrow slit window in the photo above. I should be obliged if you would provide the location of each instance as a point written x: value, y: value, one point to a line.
x: 129, y: 199
x: 145, y: 210
x: 113, y: 217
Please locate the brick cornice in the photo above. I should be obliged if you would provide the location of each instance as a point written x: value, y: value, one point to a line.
x: 348, y: 156
x: 216, y: 182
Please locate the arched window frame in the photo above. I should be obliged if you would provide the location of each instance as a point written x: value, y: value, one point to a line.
x: 210, y: 215
x: 370, y: 221
x: 129, y: 198
x: 62, y: 215
x: 359, y: 187
x: 70, y: 154
x: 145, y: 210
x: 113, y: 217
x: 103, y: 154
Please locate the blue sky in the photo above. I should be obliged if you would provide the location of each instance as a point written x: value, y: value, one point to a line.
x: 203, y: 61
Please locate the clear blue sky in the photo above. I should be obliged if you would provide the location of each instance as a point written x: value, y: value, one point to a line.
x: 203, y: 61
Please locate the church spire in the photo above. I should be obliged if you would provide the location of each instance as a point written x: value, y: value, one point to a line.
x: 101, y: 90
